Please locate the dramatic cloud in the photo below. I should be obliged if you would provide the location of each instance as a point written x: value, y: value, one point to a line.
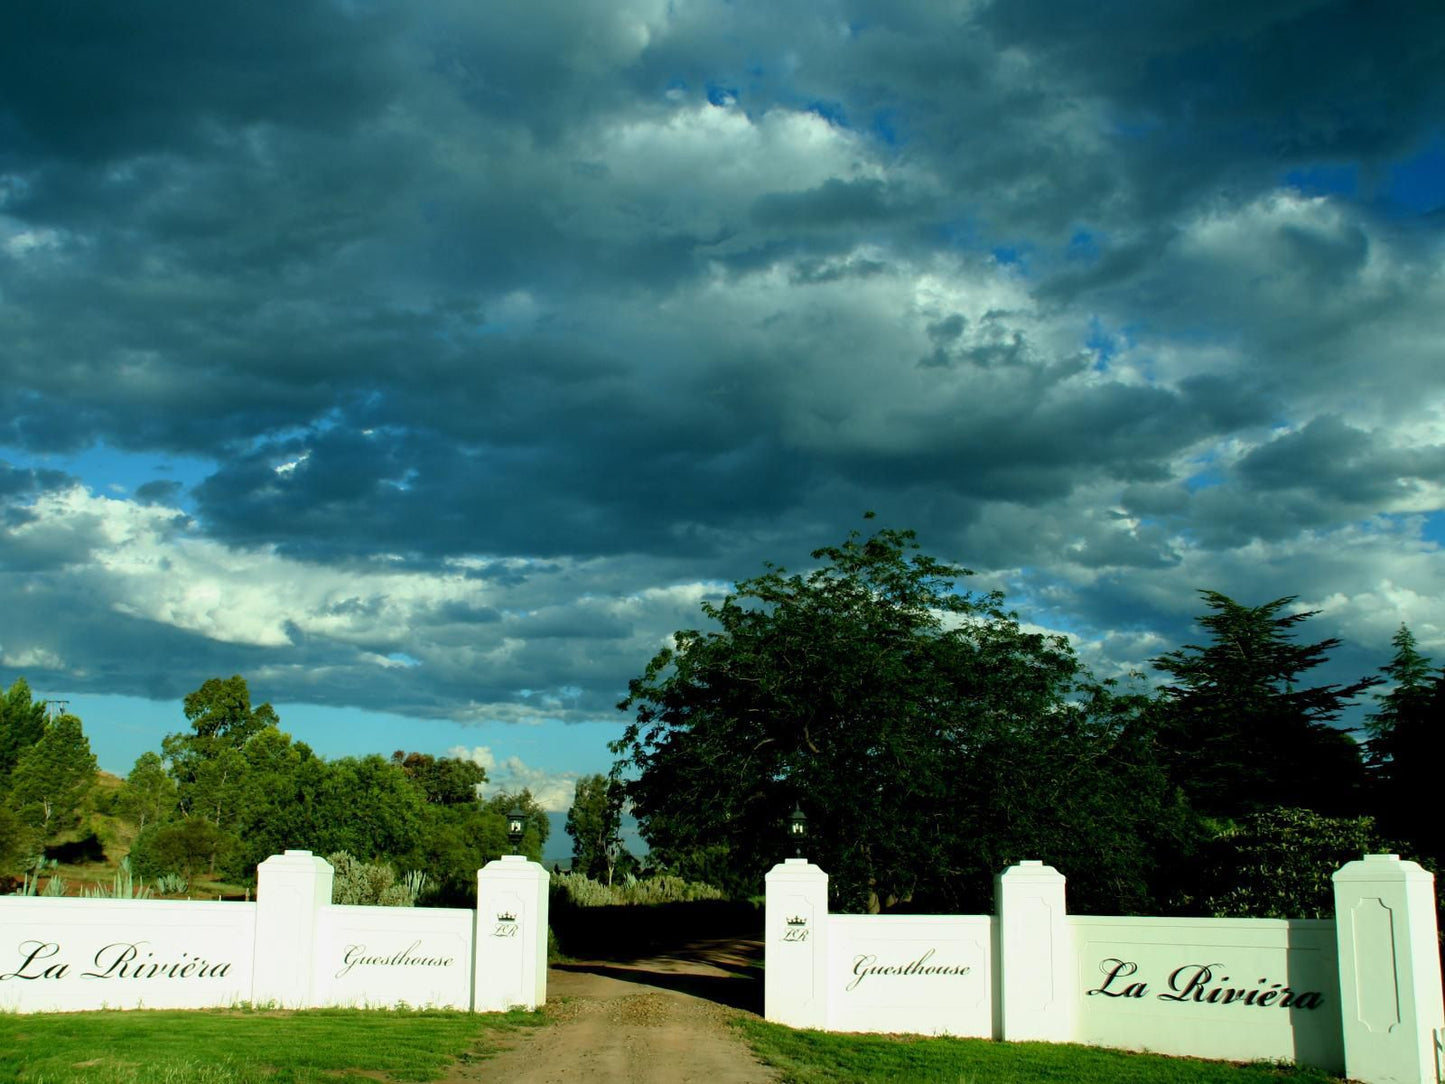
x: 439, y: 359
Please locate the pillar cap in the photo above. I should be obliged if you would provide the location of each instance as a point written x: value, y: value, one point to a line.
x: 1383, y: 867
x: 1031, y: 870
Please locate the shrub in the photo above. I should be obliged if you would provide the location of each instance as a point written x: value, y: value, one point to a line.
x: 186, y: 846
x: 1278, y: 864
x: 372, y: 883
x: 582, y: 891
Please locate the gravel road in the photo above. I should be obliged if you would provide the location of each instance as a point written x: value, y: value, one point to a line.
x: 660, y: 1020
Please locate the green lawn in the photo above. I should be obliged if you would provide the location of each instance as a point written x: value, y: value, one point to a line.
x: 244, y: 1046
x: 813, y: 1057
x: 321, y: 1046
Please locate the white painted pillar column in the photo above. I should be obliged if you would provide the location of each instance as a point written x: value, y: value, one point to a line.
x: 291, y: 889
x: 795, y: 932
x: 1035, y: 964
x: 511, y: 935
x: 1390, y: 997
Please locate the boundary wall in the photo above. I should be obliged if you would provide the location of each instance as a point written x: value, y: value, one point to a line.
x: 291, y: 948
x: 1358, y: 995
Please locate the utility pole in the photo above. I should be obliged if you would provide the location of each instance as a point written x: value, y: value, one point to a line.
x: 54, y: 708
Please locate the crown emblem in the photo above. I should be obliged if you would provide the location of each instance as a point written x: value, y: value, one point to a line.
x: 506, y: 916
x: 797, y: 920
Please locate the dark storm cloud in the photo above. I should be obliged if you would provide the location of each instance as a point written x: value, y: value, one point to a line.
x: 1200, y: 93
x: 26, y: 481
x: 164, y: 491
x: 505, y: 330
x: 91, y: 82
x: 1334, y: 461
x: 833, y: 203
x: 575, y: 486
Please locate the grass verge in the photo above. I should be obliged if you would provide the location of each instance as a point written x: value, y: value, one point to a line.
x: 245, y: 1046
x: 815, y: 1057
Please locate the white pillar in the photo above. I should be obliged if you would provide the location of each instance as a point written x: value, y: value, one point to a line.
x: 1035, y: 965
x: 795, y: 925
x: 291, y: 889
x: 511, y: 936
x: 1390, y: 997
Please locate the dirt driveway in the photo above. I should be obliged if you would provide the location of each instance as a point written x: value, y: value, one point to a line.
x: 657, y: 1020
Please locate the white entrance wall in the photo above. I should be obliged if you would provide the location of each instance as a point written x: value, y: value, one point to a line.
x: 931, y: 974
x: 1360, y: 995
x: 61, y: 955
x: 291, y: 948
x: 1224, y: 987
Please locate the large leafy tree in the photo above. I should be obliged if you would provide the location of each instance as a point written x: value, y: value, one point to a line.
x: 1241, y: 732
x: 209, y: 764
x: 927, y: 736
x: 214, y: 776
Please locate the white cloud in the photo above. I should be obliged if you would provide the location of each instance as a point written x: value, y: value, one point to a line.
x: 509, y: 775
x: 31, y: 658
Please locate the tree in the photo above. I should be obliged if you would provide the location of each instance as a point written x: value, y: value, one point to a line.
x: 925, y: 734
x: 52, y: 777
x: 209, y: 765
x: 1407, y: 747
x: 149, y: 794
x: 221, y: 708
x: 367, y: 807
x: 536, y: 825
x: 444, y: 780
x: 22, y: 722
x: 1240, y: 734
x: 17, y: 843
x: 594, y: 822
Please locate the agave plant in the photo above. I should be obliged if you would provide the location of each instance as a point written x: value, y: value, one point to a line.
x: 35, y: 873
x: 171, y: 884
x: 123, y: 886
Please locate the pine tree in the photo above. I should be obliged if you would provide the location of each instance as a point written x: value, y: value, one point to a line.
x: 53, y: 776
x: 22, y: 722
x: 1406, y: 747
x: 1239, y: 731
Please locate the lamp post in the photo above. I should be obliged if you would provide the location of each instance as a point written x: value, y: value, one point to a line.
x: 516, y: 824
x: 798, y: 830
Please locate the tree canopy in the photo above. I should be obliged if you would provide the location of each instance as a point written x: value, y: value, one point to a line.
x: 926, y: 735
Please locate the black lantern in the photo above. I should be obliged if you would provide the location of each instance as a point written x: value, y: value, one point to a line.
x: 516, y: 823
x: 798, y: 830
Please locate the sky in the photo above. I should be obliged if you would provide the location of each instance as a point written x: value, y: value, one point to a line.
x: 429, y: 362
